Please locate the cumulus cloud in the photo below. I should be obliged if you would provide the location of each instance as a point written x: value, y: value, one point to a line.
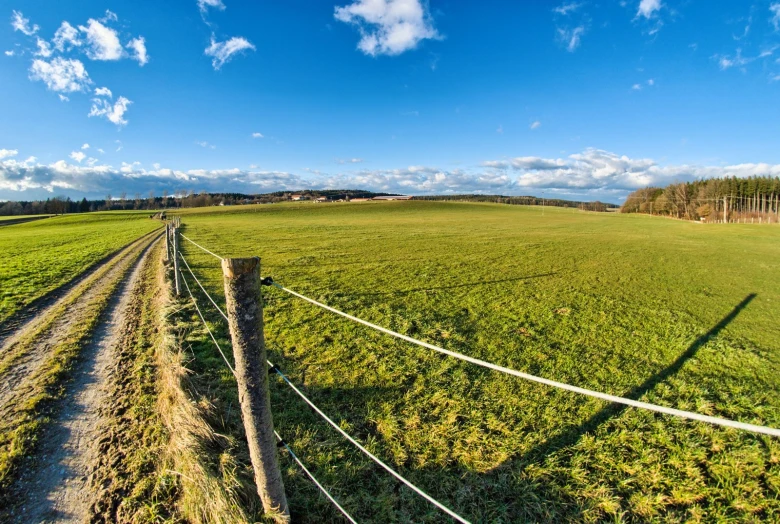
x: 5, y: 153
x: 257, y: 135
x: 66, y: 37
x: 44, y: 49
x: 388, y: 27
x: 103, y: 91
x: 114, y: 113
x: 9, y: 53
x: 647, y: 8
x: 222, y: 52
x: 85, y: 146
x: 103, y: 42
x: 78, y: 156
x: 60, y: 74
x: 138, y: 45
x: 20, y: 23
x: 592, y: 173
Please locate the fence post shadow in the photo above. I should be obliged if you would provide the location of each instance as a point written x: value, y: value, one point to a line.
x: 573, y: 434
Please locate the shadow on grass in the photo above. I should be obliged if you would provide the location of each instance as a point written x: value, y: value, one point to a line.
x: 571, y: 435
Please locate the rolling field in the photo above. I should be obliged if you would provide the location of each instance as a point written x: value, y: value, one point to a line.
x: 42, y: 255
x: 669, y: 312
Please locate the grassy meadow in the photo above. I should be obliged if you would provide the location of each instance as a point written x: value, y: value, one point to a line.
x: 671, y: 312
x: 41, y: 255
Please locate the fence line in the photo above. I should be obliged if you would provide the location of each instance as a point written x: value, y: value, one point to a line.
x: 281, y: 441
x: 201, y: 247
x: 718, y: 421
x: 330, y: 421
x: 533, y: 378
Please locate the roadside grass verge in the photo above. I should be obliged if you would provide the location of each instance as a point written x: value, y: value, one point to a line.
x: 42, y: 255
x: 667, y: 312
x: 23, y: 422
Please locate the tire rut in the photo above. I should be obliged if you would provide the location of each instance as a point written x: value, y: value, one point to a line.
x: 56, y: 489
x: 24, y: 366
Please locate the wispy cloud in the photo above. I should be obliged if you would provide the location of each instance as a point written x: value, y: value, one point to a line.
x: 113, y: 112
x: 388, y: 27
x: 222, y: 52
x: 349, y: 160
x: 257, y: 135
x: 22, y: 24
x: 60, y: 74
x: 138, y: 45
x: 203, y: 5
x: 206, y: 145
x: 567, y: 8
x: 535, y: 125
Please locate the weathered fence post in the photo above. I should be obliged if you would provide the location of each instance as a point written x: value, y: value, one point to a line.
x: 167, y: 242
x: 176, y: 276
x: 725, y: 209
x: 245, y: 318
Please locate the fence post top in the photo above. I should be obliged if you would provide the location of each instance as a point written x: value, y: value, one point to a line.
x: 235, y: 267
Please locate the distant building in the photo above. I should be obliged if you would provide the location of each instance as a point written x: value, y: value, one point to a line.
x: 359, y: 199
x: 296, y: 197
x: 321, y: 199
x: 392, y: 197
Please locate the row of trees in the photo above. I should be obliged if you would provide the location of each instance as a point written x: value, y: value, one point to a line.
x: 62, y: 205
x: 524, y: 201
x: 731, y: 199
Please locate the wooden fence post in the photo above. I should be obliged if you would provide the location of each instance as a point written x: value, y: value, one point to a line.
x: 245, y: 318
x: 167, y: 242
x: 176, y: 276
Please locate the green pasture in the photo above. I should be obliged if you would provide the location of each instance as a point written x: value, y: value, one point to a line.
x: 39, y: 256
x: 671, y: 312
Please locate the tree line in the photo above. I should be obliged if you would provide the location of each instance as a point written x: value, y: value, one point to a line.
x: 61, y: 205
x: 524, y: 201
x: 730, y: 199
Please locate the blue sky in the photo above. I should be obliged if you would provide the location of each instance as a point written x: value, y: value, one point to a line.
x: 585, y: 100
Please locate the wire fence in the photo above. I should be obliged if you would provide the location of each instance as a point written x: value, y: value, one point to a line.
x: 753, y: 428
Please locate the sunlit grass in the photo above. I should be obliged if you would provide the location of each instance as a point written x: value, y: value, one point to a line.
x: 628, y: 305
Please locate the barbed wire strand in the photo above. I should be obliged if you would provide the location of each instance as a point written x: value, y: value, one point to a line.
x: 305, y: 470
x: 201, y: 247
x: 575, y: 389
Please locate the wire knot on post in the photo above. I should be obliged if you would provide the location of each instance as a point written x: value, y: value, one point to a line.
x: 267, y: 281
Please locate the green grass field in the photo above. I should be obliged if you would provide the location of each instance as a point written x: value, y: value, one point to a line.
x: 40, y: 256
x: 670, y: 312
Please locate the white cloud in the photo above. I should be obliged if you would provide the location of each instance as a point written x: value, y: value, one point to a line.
x: 222, y: 52
x: 114, y: 113
x: 64, y: 98
x: 775, y: 10
x: 651, y: 82
x: 636, y: 87
x: 565, y: 9
x: 727, y: 62
x: 110, y: 16
x: 66, y: 35
x: 349, y: 160
x: 257, y: 135
x: 92, y: 161
x: 203, y: 5
x: 44, y: 49
x: 103, y: 91
x: 571, y: 38
x: 20, y: 23
x: 60, y: 74
x: 9, y: 53
x: 205, y: 144
x: 103, y: 41
x: 100, y: 151
x: 5, y: 153
x: 78, y: 156
x: 535, y: 125
x: 138, y: 45
x: 647, y: 8
x: 388, y: 27
x: 85, y: 146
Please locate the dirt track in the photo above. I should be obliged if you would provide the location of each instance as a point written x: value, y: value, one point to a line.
x: 54, y: 489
